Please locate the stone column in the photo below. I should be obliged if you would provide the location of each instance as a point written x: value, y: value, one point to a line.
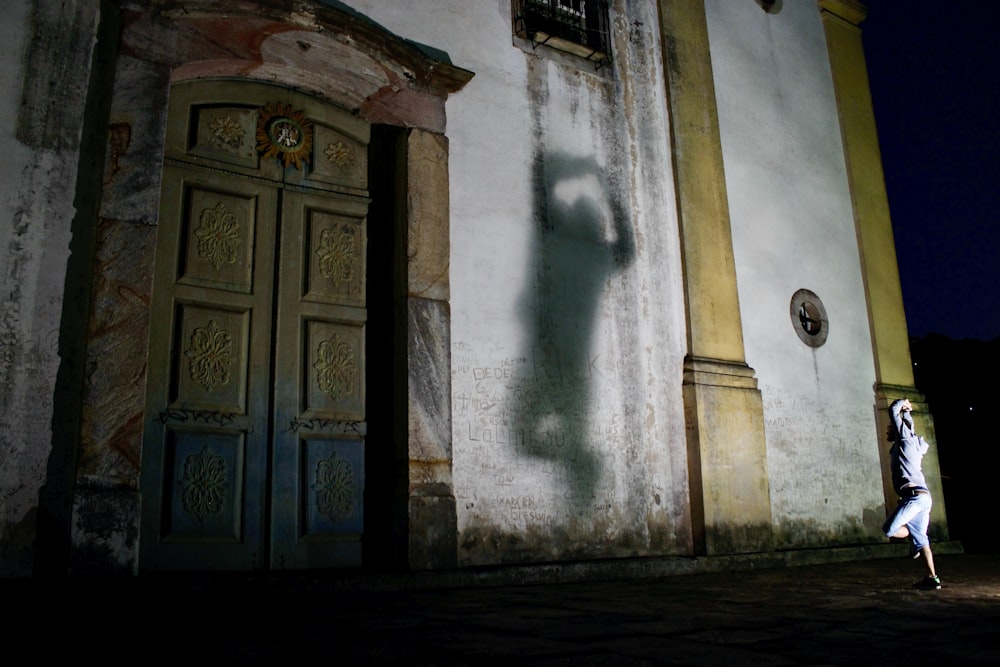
x: 430, y: 496
x: 887, y: 320
x: 727, y: 461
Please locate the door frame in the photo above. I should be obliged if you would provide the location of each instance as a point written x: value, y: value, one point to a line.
x: 262, y: 468
x: 106, y: 492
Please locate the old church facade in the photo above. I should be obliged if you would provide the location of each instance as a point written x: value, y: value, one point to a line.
x: 322, y: 284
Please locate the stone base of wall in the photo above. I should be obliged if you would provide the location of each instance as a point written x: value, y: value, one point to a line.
x: 105, y: 531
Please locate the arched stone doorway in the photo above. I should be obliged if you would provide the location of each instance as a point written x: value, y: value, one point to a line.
x: 257, y: 349
x: 342, y: 67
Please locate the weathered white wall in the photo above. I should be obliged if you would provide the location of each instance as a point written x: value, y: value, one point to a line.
x: 44, y: 67
x: 567, y: 310
x: 793, y: 228
x: 16, y: 495
x: 566, y: 296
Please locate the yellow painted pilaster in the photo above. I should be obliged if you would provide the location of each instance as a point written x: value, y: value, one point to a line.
x: 871, y: 205
x: 727, y: 462
x: 887, y: 319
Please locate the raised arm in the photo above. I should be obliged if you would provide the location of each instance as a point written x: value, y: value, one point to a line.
x: 896, y: 409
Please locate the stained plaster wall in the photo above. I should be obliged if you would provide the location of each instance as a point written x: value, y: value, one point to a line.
x: 45, y: 57
x: 793, y: 228
x: 567, y: 310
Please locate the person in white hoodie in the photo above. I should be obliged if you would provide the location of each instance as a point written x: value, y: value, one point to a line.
x: 912, y: 515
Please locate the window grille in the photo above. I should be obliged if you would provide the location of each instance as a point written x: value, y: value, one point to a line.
x: 577, y: 26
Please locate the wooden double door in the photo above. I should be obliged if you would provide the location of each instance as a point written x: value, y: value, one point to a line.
x: 255, y: 435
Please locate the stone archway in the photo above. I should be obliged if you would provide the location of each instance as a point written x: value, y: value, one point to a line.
x: 335, y: 55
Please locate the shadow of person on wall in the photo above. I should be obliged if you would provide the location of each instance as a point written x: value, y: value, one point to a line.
x: 582, y: 238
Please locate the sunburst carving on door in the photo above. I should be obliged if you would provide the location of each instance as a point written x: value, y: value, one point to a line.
x: 284, y: 132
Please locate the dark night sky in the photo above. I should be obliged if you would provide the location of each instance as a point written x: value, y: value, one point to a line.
x: 934, y: 70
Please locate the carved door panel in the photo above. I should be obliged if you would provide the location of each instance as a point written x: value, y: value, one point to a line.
x: 206, y: 442
x: 319, y: 383
x: 253, y: 451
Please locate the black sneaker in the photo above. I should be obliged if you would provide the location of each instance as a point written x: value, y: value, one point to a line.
x: 928, y: 584
x: 915, y: 554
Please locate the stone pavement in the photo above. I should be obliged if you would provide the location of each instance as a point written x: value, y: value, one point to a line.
x: 847, y: 613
